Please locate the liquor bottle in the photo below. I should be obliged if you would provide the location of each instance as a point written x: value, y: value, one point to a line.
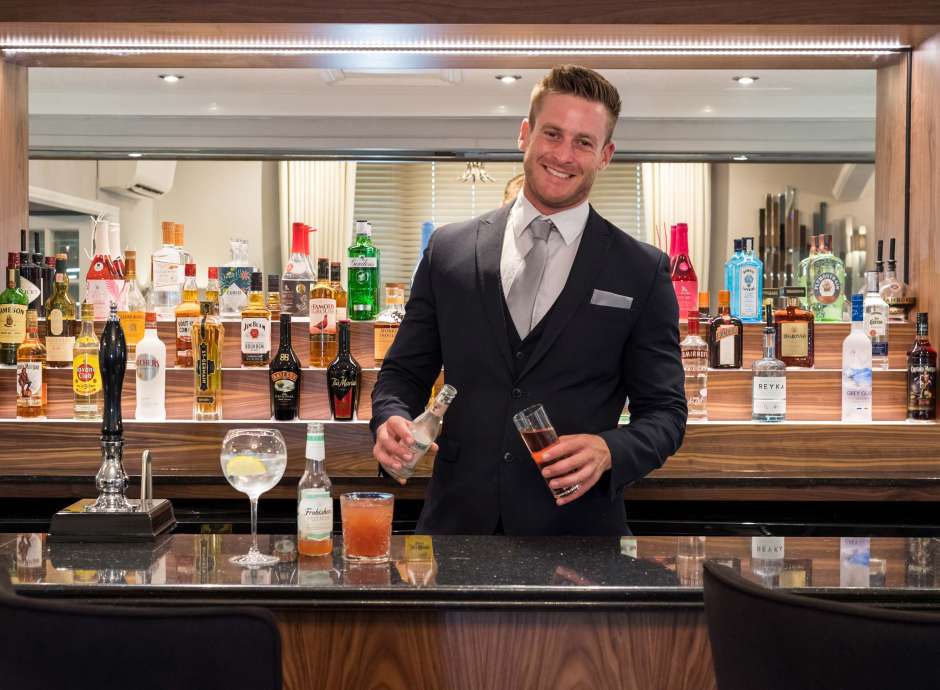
x: 856, y: 368
x: 274, y: 295
x: 362, y: 278
x: 187, y: 314
x: 117, y: 257
x: 795, y: 330
x: 48, y: 281
x: 285, y: 376
x: 315, y: 499
x: 212, y: 288
x: 30, y: 275
x: 730, y: 263
x: 725, y: 337
x: 769, y: 399
x: 695, y: 363
x: 684, y: 280
x: 425, y: 430
x: 166, y: 275
x: 672, y: 248
x: 921, y: 375
x: 133, y: 309
x: 802, y: 273
x: 207, y: 342
x: 178, y: 237
x: 344, y: 378
x: 893, y: 290
x: 388, y: 320
x: 86, y: 370
x: 826, y: 280
x: 102, y: 283
x: 307, y: 231
x: 747, y: 285
x: 767, y: 559
x: 336, y: 280
x: 30, y: 372
x: 235, y: 279
x: 150, y: 366
x: 255, y: 327
x: 322, y: 318
x: 880, y: 263
x: 876, y: 321
x: 13, y: 305
x: 297, y: 278
x: 704, y: 310
x: 45, y: 280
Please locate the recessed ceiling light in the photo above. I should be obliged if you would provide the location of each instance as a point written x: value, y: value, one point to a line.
x: 745, y: 81
x: 509, y: 78
x: 739, y: 157
x: 171, y: 78
x: 707, y: 109
x: 134, y: 155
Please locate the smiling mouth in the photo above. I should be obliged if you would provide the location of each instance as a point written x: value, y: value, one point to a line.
x: 557, y: 173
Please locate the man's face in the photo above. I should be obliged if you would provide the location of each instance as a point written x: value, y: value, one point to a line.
x: 564, y: 150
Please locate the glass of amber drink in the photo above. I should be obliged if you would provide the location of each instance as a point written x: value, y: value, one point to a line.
x: 367, y: 526
x: 539, y: 435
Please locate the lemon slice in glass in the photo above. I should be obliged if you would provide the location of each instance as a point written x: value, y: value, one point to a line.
x: 244, y: 466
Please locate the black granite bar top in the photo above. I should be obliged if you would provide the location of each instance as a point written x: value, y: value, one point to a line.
x: 473, y: 571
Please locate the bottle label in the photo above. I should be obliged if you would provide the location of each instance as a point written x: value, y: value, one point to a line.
x: 147, y: 366
x: 33, y: 292
x: 315, y: 515
x: 343, y: 395
x: 59, y: 348
x: 767, y: 548
x: 383, y: 337
x: 856, y: 387
x: 29, y: 384
x: 256, y: 339
x: 101, y: 293
x: 54, y: 322
x: 294, y: 297
x: 726, y: 335
x: 794, y: 339
x: 234, y: 284
x: 749, y: 303
x: 284, y: 383
x: 133, y: 324
x: 86, y: 374
x: 322, y: 318
x: 205, y: 367
x: 879, y: 349
x: 363, y: 262
x: 167, y: 275
x: 12, y: 323
x: 770, y: 395
x: 316, y: 447
x: 184, y: 327
x: 827, y: 288
x: 922, y: 388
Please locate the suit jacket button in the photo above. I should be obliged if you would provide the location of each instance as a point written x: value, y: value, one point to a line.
x: 516, y: 393
x: 520, y: 355
x: 508, y: 457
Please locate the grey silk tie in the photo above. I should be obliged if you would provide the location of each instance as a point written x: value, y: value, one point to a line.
x: 525, y: 287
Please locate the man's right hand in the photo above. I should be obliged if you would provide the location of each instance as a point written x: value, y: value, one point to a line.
x: 393, y: 441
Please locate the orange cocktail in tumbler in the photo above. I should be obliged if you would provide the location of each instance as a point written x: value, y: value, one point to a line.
x: 367, y: 526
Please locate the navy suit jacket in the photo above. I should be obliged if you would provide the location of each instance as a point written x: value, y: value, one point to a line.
x: 589, y: 358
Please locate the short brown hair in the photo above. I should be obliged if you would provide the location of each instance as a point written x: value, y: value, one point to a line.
x: 577, y: 81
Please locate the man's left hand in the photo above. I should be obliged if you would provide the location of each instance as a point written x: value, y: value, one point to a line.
x: 584, y: 458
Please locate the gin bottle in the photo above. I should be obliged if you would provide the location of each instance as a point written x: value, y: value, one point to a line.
x: 730, y: 263
x: 425, y: 429
x: 747, y: 285
x: 769, y: 402
x: 235, y: 279
x: 695, y: 363
x: 826, y: 281
x: 876, y: 321
x: 363, y: 275
x: 856, y: 368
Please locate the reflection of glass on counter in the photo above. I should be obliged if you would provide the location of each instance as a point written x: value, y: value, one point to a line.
x: 690, y: 556
x: 29, y: 556
x: 366, y: 574
x: 316, y: 571
x: 921, y: 561
x: 854, y: 557
x: 797, y: 572
x: 767, y: 559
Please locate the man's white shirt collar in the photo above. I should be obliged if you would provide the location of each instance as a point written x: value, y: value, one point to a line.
x: 570, y: 222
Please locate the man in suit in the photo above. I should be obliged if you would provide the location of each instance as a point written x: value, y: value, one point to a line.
x: 541, y: 301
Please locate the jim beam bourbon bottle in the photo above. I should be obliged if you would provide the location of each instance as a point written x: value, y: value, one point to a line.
x: 344, y: 379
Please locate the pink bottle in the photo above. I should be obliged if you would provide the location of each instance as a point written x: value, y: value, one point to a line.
x: 672, y: 248
x: 684, y: 280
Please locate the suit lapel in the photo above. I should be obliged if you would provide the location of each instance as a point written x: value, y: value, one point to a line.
x: 489, y: 252
x: 584, y: 271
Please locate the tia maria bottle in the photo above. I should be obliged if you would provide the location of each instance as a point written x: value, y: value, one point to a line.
x: 343, y: 378
x: 284, y: 374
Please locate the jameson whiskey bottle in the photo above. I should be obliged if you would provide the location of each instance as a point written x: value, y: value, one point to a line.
x: 363, y: 275
x: 60, y: 336
x: 13, y: 303
x: 922, y: 375
x: 285, y: 376
x: 86, y: 371
x: 208, y: 338
x: 322, y: 318
x: 30, y: 373
x: 314, y: 499
x: 344, y: 379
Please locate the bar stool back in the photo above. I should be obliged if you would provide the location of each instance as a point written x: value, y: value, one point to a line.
x: 778, y: 641
x: 49, y: 644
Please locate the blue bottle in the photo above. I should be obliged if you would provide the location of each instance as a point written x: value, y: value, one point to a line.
x: 747, y: 285
x: 730, y: 263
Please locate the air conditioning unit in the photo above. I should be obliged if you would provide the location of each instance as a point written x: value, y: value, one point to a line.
x: 136, y: 179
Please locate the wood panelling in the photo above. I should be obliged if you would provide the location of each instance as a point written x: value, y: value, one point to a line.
x: 890, y: 159
x: 14, y: 151
x: 633, y: 649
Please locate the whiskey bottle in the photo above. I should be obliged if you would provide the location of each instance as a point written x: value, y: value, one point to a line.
x: 285, y: 376
x: 207, y: 342
x: 922, y: 375
x: 725, y: 337
x: 187, y: 313
x: 856, y: 368
x: 255, y: 327
x: 274, y: 295
x: 795, y: 330
x: 86, y: 370
x: 876, y: 321
x: 769, y: 399
x: 695, y: 363
x: 388, y: 320
x: 132, y: 315
x: 336, y: 280
x: 344, y: 378
x: 30, y: 372
x: 322, y: 318
x: 314, y: 499
x: 150, y: 368
x: 13, y: 304
x: 363, y: 275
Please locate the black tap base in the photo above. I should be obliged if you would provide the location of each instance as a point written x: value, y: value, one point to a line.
x: 73, y: 524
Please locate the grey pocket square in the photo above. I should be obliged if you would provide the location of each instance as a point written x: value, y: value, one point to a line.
x: 602, y: 298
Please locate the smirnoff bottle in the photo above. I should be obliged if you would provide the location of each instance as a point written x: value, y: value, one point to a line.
x: 150, y: 366
x: 103, y: 284
x: 684, y: 280
x: 425, y: 430
x: 695, y: 363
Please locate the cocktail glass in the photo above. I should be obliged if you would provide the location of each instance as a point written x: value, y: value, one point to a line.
x: 367, y: 526
x: 539, y: 435
x: 253, y: 461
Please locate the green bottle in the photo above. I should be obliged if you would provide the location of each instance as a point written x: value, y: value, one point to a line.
x: 13, y: 304
x: 826, y: 283
x: 363, y: 283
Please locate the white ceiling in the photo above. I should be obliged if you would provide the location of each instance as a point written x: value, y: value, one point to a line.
x: 709, y: 94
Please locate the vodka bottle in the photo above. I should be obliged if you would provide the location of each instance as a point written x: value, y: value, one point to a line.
x: 876, y: 321
x: 695, y: 363
x: 856, y: 368
x: 769, y: 401
x: 150, y: 364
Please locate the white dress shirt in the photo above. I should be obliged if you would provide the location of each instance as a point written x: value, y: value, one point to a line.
x: 562, y: 248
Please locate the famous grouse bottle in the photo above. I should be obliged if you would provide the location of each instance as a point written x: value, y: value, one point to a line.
x: 285, y: 374
x: 344, y: 378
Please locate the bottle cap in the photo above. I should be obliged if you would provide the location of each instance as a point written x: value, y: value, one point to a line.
x: 724, y: 298
x: 274, y: 282
x: 169, y: 231
x: 205, y: 308
x: 336, y: 271
x: 213, y: 272
x: 769, y: 316
x: 922, y: 320
x: 692, y: 323
x: 178, y: 234
x: 749, y: 244
x: 150, y: 318
x: 363, y: 227
x: 13, y: 259
x: 738, y: 244
x: 190, y: 270
x: 88, y: 310
x: 703, y: 300
x: 323, y: 269
x: 256, y: 281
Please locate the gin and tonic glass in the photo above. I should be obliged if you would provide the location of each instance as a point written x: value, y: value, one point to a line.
x: 253, y: 461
